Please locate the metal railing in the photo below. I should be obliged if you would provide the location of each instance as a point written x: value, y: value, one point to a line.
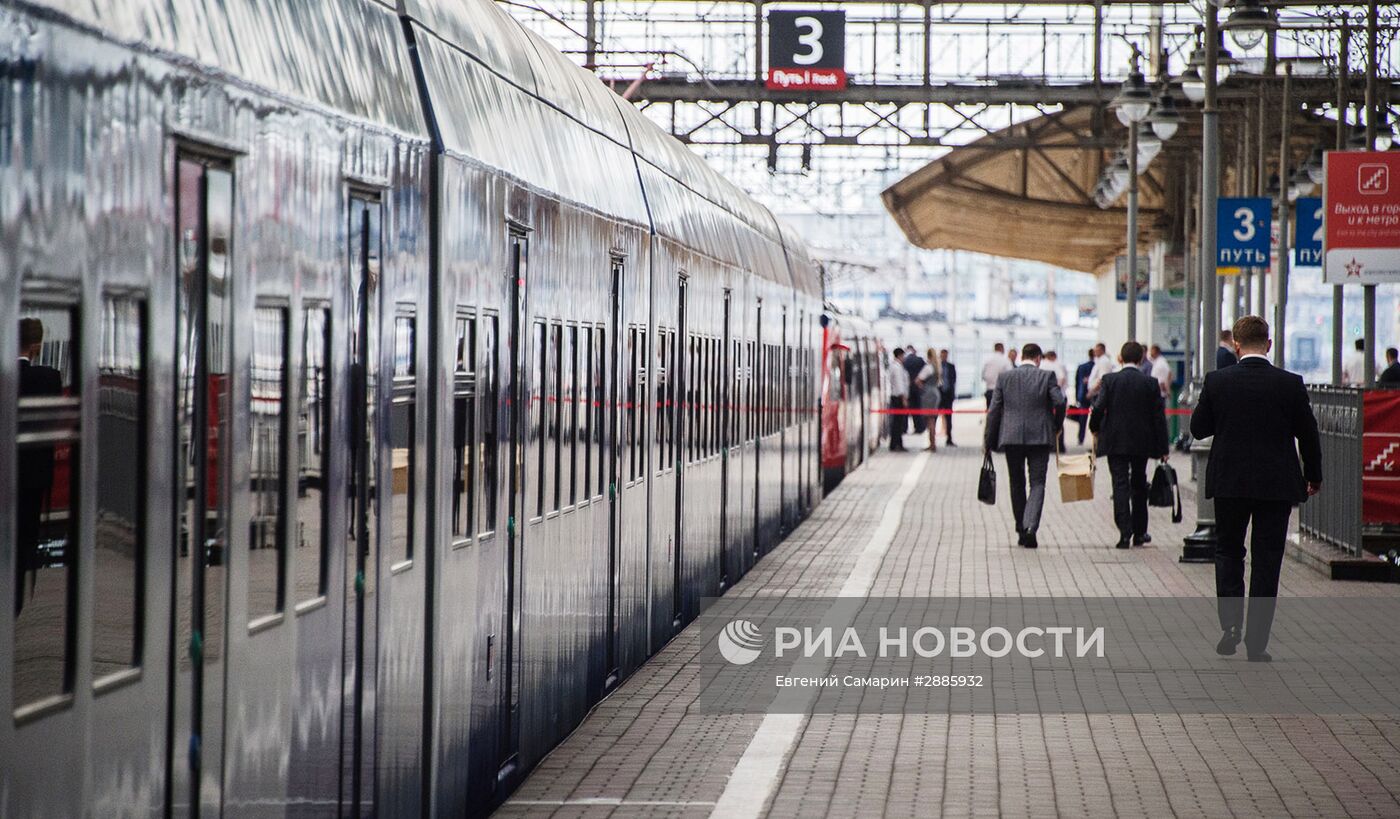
x: 1334, y: 514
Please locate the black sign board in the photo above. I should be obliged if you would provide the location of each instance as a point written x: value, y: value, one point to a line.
x: 807, y: 50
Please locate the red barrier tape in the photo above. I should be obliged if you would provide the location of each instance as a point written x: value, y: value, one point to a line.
x: 1070, y: 411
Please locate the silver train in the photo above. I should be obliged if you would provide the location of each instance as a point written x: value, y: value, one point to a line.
x: 387, y: 390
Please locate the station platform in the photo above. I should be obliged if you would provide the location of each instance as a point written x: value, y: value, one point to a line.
x: 648, y: 751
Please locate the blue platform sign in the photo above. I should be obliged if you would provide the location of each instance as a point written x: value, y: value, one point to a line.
x: 1308, y: 242
x: 1243, y: 226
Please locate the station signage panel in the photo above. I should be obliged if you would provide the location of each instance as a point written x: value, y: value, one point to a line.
x: 1243, y: 232
x: 806, y: 50
x: 1307, y: 245
x: 1361, y: 217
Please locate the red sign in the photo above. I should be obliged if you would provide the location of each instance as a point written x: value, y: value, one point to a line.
x: 1380, y: 457
x: 807, y: 79
x: 1361, y: 217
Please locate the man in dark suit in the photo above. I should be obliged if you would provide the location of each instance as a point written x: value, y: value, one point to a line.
x: 1390, y: 376
x: 1225, y: 353
x: 1130, y: 421
x: 1261, y: 421
x: 914, y: 364
x: 35, y: 463
x: 949, y: 391
x: 1024, y: 418
x: 1081, y: 392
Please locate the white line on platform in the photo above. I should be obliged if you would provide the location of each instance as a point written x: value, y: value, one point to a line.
x: 613, y: 800
x: 755, y: 777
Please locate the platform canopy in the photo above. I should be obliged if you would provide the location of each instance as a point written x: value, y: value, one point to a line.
x: 1026, y: 192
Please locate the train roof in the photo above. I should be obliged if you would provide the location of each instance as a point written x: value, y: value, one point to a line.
x: 500, y: 94
x: 292, y: 49
x: 685, y: 199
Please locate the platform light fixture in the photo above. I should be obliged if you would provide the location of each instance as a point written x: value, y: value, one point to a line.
x: 1165, y: 118
x: 1225, y: 63
x: 1148, y: 145
x: 1134, y: 100
x: 1385, y: 132
x: 1314, y: 165
x: 1248, y: 23
x: 1192, y: 85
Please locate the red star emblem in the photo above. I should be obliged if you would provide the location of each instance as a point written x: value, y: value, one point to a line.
x: 1354, y: 268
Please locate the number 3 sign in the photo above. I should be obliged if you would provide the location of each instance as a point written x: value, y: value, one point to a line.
x: 806, y: 50
x: 1242, y: 233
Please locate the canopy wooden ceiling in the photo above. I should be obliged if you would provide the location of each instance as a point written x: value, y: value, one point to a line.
x: 1026, y: 192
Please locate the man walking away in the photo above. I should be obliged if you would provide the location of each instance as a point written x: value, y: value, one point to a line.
x: 1161, y: 370
x: 1354, y: 371
x: 899, y: 400
x: 913, y: 365
x: 1130, y: 421
x: 992, y: 367
x: 950, y: 392
x: 1262, y: 421
x: 1225, y: 353
x: 1390, y: 376
x: 1026, y: 411
x: 1081, y: 392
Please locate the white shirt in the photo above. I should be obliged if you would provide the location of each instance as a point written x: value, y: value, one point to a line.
x: 1354, y: 369
x: 1103, y: 365
x: 899, y: 379
x: 1061, y: 374
x: 1254, y: 355
x: 1162, y: 371
x: 994, y: 365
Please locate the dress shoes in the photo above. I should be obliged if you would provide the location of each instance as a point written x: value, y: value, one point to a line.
x: 1261, y: 657
x: 1123, y: 543
x: 1229, y: 639
x: 1142, y: 541
x: 1030, y: 541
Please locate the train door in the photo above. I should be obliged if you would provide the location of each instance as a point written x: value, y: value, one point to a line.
x: 757, y: 410
x: 684, y: 387
x: 204, y: 210
x: 610, y: 454
x: 516, y: 408
x: 726, y: 403
x: 782, y: 381
x: 362, y: 487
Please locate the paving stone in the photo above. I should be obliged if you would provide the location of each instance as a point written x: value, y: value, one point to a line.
x: 643, y: 753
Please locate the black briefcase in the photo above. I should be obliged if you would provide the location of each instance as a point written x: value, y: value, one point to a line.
x: 987, y: 481
x: 1164, y: 491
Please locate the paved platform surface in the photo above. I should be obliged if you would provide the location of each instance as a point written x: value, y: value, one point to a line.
x: 643, y: 753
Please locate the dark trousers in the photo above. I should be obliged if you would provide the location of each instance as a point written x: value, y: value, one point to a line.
x: 918, y: 422
x: 1268, y: 520
x: 899, y: 424
x: 1024, y: 462
x: 947, y: 404
x: 1083, y: 421
x: 1129, y: 474
x: 988, y: 396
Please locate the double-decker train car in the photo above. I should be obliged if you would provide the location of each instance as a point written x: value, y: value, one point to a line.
x: 853, y: 392
x: 385, y: 391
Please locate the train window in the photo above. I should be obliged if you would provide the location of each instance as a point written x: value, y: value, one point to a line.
x: 119, y: 553
x: 600, y: 359
x: 686, y: 394
x: 555, y: 393
x: 402, y: 433
x: 716, y: 395
x: 537, y: 417
x: 665, y: 374
x: 268, y: 422
x: 583, y: 466
x: 46, y: 513
x: 312, y: 559
x: 631, y: 399
x: 464, y: 429
x: 569, y: 410
x: 491, y: 381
